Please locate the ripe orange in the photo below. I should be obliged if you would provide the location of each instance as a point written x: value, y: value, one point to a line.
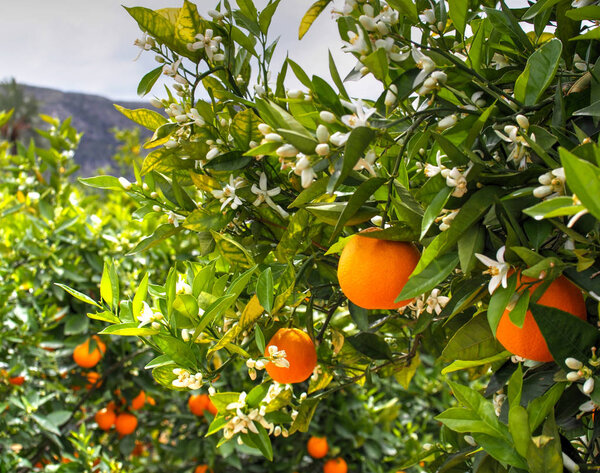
x: 528, y: 341
x: 105, y: 418
x: 212, y: 408
x: 317, y: 447
x: 373, y: 272
x: 138, y: 401
x: 202, y: 469
x: 86, y: 358
x: 197, y: 403
x: 126, y: 423
x: 17, y: 380
x: 300, y: 354
x: 335, y: 465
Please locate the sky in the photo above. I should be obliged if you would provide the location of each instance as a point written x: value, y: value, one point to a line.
x: 87, y: 46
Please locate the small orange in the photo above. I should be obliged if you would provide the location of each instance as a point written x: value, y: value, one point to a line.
x: 317, y: 447
x: 138, y: 401
x: 93, y: 379
x: 138, y: 449
x: 202, y: 469
x: 86, y: 358
x: 300, y: 353
x: 105, y: 418
x: 373, y: 272
x: 212, y: 408
x: 335, y: 465
x: 126, y: 423
x: 197, y: 403
x: 17, y: 380
x: 528, y: 341
x: 150, y: 400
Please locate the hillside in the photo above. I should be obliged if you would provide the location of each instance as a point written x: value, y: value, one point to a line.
x: 93, y: 115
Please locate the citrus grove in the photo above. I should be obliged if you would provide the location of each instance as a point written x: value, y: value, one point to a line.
x: 412, y: 278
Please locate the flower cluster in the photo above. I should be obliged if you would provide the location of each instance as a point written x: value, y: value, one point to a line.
x: 497, y: 269
x: 187, y: 380
x: 149, y: 316
x: 515, y: 136
x: 455, y: 177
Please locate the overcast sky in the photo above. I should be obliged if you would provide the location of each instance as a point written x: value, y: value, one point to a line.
x: 87, y: 46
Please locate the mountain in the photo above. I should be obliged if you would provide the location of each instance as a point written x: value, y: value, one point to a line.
x: 93, y: 115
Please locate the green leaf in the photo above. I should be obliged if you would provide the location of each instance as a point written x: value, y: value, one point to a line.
x: 371, y: 345
x: 146, y: 118
x: 105, y: 316
x: 214, y: 311
x: 259, y: 338
x: 584, y: 180
x: 46, y: 424
x: 589, y: 12
x: 230, y: 161
x: 155, y: 24
x: 539, y: 7
x: 360, y: 316
x: 305, y: 414
x: 316, y: 189
x: 430, y: 277
x: 241, y: 282
x: 471, y: 211
x: 539, y: 407
x: 102, y: 182
x: 377, y: 63
x: 473, y: 341
x: 406, y: 7
x: 544, y: 453
x: 177, y: 350
x: 265, y: 290
x: 188, y: 25
x: 140, y: 297
x: 539, y: 72
x: 161, y: 233
x: 165, y: 160
x: 330, y: 213
x: 201, y: 220
x: 78, y: 295
x: 406, y: 373
x: 460, y: 365
x: 337, y: 80
x: 295, y: 237
x: 187, y: 305
x: 472, y: 242
x: 590, y: 35
x: 458, y: 10
x: 232, y: 251
x: 244, y: 129
x: 555, y: 207
x: 264, y: 19
x: 358, y: 141
x: 130, y: 329
x: 498, y: 302
x: 262, y: 441
x: 304, y: 143
x: 364, y: 191
x: 517, y: 314
x: 464, y: 420
x: 311, y: 15
x: 592, y: 110
x: 148, y: 81
x: 106, y: 286
x: 300, y: 74
x: 501, y: 449
x: 434, y: 208
x: 515, y: 387
x: 566, y: 335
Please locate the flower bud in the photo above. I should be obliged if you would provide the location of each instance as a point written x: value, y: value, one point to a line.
x: 274, y: 138
x: 588, y: 386
x: 447, y: 122
x: 322, y: 134
x: 125, y: 183
x: 286, y: 151
x: 573, y: 363
x: 573, y: 376
x: 368, y: 22
x: 156, y: 103
x: 295, y: 94
x: 322, y: 149
x: 264, y: 129
x: 522, y: 121
x: 157, y: 208
x: 326, y: 116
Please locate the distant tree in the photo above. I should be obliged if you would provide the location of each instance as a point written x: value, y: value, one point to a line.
x: 21, y: 125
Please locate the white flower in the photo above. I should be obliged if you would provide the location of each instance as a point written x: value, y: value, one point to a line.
x: 553, y: 184
x: 174, y: 218
x: 432, y: 170
x: 391, y: 95
x: 181, y: 286
x: 360, y: 116
x: 303, y: 168
x: 588, y: 386
x: 366, y: 162
x: 148, y: 316
x: 339, y: 138
x: 447, y: 220
x: 206, y: 42
x: 227, y: 194
x: 497, y: 401
x: 287, y: 151
x: 455, y: 178
x: 498, y: 270
x: 278, y: 357
x: 145, y: 44
x: 499, y: 61
x: 239, y: 404
x: 518, y: 144
x: 263, y: 194
x: 195, y: 117
x: 435, y: 302
x: 428, y: 16
x: 356, y: 43
x: 171, y: 70
x: 433, y: 82
x: 581, y: 3
x: 423, y: 62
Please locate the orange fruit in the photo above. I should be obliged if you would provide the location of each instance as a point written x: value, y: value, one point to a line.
x: 105, y: 418
x: 528, y: 341
x: 17, y: 380
x: 138, y: 401
x: 317, y: 447
x: 335, y: 465
x: 126, y: 423
x: 138, y: 449
x: 202, y: 469
x: 93, y: 378
x: 212, y: 408
x: 300, y: 354
x: 373, y: 272
x: 86, y: 358
x: 197, y: 403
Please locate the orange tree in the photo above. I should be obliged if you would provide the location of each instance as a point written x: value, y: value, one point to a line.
x: 481, y: 150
